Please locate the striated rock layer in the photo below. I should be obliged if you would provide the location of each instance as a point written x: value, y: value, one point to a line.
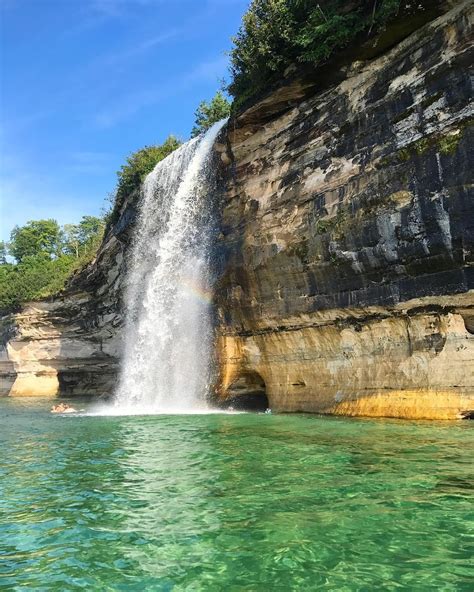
x: 344, y: 263
x: 70, y: 346
x: 347, y: 238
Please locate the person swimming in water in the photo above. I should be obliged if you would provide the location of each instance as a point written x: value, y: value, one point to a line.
x: 63, y: 408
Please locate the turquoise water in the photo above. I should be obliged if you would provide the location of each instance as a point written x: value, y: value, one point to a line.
x: 232, y: 502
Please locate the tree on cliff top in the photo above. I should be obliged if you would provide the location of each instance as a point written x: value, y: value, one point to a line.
x: 35, y: 237
x: 210, y: 112
x: 276, y: 34
x: 46, y: 256
x: 77, y: 238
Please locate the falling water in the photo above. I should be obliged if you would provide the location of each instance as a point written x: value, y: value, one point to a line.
x: 166, y: 367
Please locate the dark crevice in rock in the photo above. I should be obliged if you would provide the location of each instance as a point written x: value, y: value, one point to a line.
x: 246, y: 393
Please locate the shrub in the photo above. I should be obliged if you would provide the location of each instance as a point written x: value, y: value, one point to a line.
x: 37, y: 276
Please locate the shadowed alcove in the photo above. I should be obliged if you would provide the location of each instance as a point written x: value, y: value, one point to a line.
x: 247, y: 393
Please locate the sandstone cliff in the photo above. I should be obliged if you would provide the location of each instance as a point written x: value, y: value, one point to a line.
x: 345, y: 256
x: 348, y: 234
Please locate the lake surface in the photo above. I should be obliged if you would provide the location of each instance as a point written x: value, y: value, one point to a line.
x: 232, y: 502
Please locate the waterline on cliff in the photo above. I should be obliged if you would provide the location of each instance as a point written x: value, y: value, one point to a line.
x: 165, y: 366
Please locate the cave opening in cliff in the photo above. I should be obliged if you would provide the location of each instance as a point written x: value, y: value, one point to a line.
x: 247, y: 393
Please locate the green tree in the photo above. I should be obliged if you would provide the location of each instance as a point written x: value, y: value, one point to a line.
x: 47, y: 256
x: 71, y: 240
x: 76, y: 238
x: 263, y: 45
x: 3, y: 252
x: 35, y: 237
x: 209, y: 113
x: 89, y: 228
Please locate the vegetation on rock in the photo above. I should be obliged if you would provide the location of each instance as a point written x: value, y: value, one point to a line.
x: 132, y: 174
x: 45, y: 257
x: 210, y: 112
x: 277, y: 34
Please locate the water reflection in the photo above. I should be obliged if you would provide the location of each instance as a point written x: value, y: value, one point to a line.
x: 167, y: 480
x: 243, y: 502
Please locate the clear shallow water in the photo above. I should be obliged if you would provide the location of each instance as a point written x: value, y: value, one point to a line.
x: 232, y: 502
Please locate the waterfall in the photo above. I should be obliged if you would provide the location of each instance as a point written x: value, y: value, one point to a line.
x: 168, y: 333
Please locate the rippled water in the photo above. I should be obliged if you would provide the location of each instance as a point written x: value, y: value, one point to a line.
x: 232, y: 502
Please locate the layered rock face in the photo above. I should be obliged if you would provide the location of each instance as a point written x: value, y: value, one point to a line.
x: 347, y: 238
x: 344, y: 263
x: 69, y: 346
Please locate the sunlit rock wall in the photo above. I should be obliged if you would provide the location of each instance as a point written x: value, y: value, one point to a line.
x: 347, y: 237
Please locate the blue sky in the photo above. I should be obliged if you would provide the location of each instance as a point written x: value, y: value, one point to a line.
x: 86, y: 82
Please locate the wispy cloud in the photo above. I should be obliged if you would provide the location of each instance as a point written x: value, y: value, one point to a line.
x: 92, y: 73
x: 96, y: 13
x: 128, y: 105
x: 23, y: 122
x: 89, y: 162
x: 134, y: 51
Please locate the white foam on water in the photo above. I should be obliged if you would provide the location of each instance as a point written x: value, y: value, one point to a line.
x: 109, y: 411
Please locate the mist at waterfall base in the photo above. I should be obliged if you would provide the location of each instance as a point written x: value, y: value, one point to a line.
x: 168, y: 331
